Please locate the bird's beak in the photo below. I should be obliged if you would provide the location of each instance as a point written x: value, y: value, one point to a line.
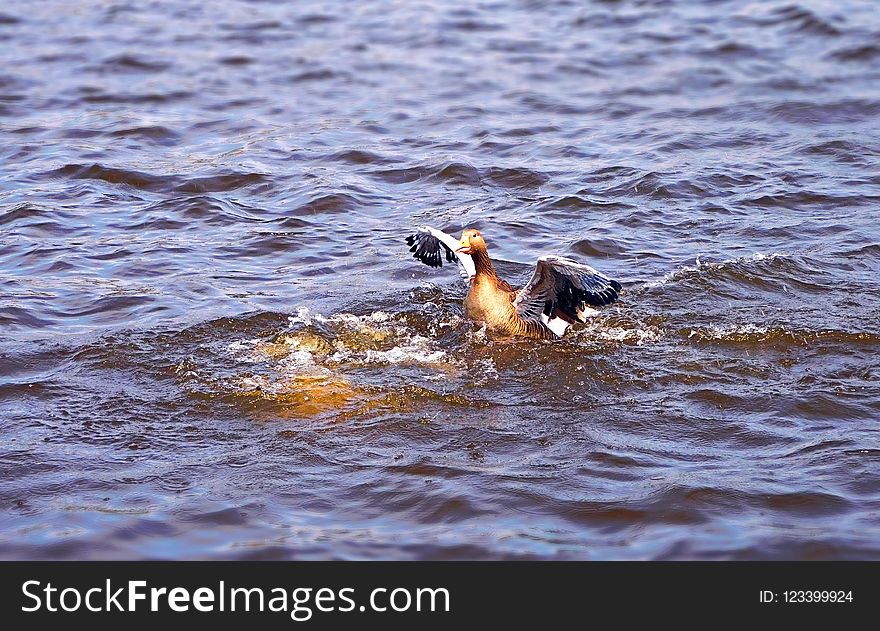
x: 464, y: 247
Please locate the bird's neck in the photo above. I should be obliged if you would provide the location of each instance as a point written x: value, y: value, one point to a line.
x: 482, y: 264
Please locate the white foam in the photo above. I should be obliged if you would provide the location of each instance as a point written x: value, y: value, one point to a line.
x: 376, y: 317
x: 484, y: 370
x: 303, y: 316
x: 404, y: 355
x: 297, y: 361
x: 245, y: 350
x: 726, y: 331
x: 637, y: 336
x: 395, y: 341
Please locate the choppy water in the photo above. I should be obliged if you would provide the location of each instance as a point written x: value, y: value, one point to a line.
x: 215, y: 344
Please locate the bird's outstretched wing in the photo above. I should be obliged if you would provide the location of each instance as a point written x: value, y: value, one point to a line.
x: 562, y: 288
x: 431, y: 246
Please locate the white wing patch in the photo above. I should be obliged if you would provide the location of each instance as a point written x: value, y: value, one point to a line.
x: 429, y: 246
x: 557, y: 325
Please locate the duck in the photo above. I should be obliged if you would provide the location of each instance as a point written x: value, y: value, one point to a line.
x: 559, y: 293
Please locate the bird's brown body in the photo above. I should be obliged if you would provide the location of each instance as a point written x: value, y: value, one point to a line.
x: 490, y: 300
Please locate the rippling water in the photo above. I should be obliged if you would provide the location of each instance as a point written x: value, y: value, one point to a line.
x: 215, y: 344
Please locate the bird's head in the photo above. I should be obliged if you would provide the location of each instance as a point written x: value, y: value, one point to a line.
x: 470, y: 240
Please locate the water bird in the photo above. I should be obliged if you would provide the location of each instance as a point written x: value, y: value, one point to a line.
x: 559, y: 293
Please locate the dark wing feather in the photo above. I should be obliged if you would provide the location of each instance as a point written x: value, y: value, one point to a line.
x: 431, y: 246
x: 429, y: 249
x: 561, y: 287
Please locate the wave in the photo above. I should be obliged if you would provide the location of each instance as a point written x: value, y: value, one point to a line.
x: 21, y: 212
x: 223, y: 182
x: 755, y: 333
x: 797, y: 19
x: 460, y: 173
x: 700, y: 268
